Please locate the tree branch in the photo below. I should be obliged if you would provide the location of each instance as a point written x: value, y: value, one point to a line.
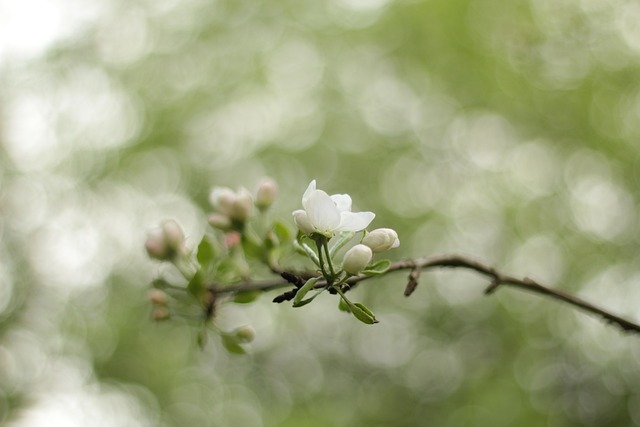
x: 497, y: 279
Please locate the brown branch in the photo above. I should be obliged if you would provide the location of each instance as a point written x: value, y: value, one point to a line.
x: 497, y: 280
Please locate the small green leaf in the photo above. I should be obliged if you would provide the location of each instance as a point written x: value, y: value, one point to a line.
x: 252, y: 248
x: 297, y: 300
x: 206, y: 252
x: 196, y: 284
x: 246, y: 297
x: 363, y: 314
x: 377, y: 269
x: 282, y: 231
x: 343, y: 306
x: 202, y: 339
x: 344, y: 237
x: 230, y: 342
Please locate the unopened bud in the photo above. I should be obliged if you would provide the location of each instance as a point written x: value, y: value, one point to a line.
x: 242, y: 206
x: 222, y: 199
x: 158, y: 297
x: 266, y: 194
x: 160, y: 313
x: 220, y: 221
x: 245, y: 334
x: 381, y: 239
x: 165, y: 242
x: 232, y: 239
x: 356, y: 259
x: 156, y: 245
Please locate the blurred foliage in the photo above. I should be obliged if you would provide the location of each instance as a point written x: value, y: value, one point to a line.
x: 502, y: 130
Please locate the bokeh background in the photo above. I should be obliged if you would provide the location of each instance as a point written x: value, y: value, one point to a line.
x: 504, y: 130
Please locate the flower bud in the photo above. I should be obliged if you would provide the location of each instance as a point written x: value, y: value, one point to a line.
x: 220, y: 221
x: 166, y: 241
x: 160, y: 313
x: 381, y: 239
x: 266, y: 194
x: 245, y: 334
x: 302, y: 221
x: 242, y: 207
x: 356, y: 259
x: 174, y: 235
x: 222, y: 199
x: 158, y: 297
x: 156, y: 245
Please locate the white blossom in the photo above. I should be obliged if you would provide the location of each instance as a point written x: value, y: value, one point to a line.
x: 327, y: 215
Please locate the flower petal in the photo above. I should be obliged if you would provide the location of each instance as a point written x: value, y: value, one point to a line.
x: 302, y: 221
x: 322, y: 212
x: 355, y: 221
x: 342, y: 201
x: 307, y: 194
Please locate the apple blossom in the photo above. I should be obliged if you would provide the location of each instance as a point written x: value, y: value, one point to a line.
x: 266, y: 194
x: 327, y: 215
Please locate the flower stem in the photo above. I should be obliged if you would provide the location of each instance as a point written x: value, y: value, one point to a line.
x: 326, y: 249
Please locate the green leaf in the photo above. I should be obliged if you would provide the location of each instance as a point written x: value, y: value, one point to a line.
x: 202, y: 339
x: 378, y: 268
x: 196, y: 284
x: 252, y: 248
x: 246, y: 297
x: 230, y: 342
x: 297, y: 300
x: 344, y: 306
x: 206, y: 252
x: 282, y: 231
x: 362, y: 313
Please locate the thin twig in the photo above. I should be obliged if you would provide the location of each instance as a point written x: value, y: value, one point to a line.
x: 497, y: 280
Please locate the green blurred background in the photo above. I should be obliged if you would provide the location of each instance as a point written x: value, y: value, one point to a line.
x: 504, y: 130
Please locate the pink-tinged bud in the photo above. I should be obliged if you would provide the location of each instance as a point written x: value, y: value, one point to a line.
x: 356, y: 259
x: 156, y: 245
x: 222, y: 199
x: 266, y: 194
x: 381, y: 239
x: 174, y: 235
x: 160, y: 313
x: 232, y: 239
x: 158, y: 297
x: 166, y: 241
x: 220, y: 221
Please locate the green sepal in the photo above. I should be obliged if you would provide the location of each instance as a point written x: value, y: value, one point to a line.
x: 377, y: 269
x: 246, y: 297
x: 206, y: 252
x: 252, y: 248
x: 304, y: 249
x: 297, y: 300
x: 230, y: 342
x: 196, y: 284
x: 362, y: 313
x: 202, y: 339
x: 281, y: 231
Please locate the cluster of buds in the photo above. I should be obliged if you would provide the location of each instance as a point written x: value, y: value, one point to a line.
x: 166, y: 242
x: 160, y: 302
x: 359, y: 257
x: 234, y: 208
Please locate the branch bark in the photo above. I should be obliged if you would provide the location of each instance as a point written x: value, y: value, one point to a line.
x: 496, y: 278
